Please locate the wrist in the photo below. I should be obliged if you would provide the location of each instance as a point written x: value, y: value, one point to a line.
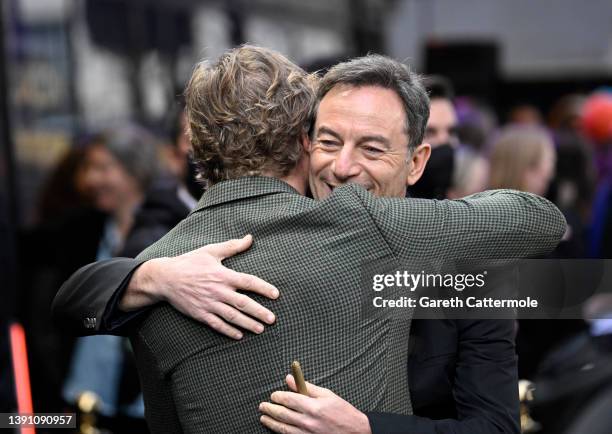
x: 152, y: 282
x: 146, y: 286
x: 364, y: 423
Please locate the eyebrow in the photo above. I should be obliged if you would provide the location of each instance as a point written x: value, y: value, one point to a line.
x: 370, y: 138
x: 376, y: 138
x: 326, y: 130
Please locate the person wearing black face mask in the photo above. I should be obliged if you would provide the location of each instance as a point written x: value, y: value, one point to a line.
x: 441, y: 134
x: 438, y: 174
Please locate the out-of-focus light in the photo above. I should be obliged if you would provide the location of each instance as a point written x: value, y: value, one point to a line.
x: 597, y: 117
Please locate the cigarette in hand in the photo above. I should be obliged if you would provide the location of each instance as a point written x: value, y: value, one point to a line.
x: 298, y: 375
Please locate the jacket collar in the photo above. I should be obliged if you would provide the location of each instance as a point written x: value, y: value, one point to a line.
x: 242, y: 188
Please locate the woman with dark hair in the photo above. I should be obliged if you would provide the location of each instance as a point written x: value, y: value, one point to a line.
x: 118, y: 171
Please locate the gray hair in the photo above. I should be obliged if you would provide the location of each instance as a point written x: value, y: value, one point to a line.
x: 137, y: 151
x: 377, y: 70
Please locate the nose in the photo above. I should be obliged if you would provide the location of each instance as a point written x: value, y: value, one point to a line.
x: 345, y: 165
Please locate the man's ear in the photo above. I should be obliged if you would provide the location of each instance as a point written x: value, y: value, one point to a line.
x: 418, y: 161
x: 306, y: 142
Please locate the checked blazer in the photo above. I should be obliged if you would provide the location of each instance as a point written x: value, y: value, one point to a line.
x: 197, y: 381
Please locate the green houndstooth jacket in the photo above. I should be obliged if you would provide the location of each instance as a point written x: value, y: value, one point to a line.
x: 197, y: 381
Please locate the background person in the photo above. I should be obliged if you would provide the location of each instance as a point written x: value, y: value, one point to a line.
x: 523, y: 158
x: 118, y: 171
x: 441, y: 134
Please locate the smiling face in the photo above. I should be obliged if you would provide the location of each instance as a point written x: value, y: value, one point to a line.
x: 360, y: 137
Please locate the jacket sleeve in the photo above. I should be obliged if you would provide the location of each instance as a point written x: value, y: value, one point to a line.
x: 87, y: 303
x: 493, y: 224
x: 485, y: 387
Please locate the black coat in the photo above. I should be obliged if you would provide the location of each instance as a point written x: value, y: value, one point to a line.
x: 160, y: 212
x: 463, y: 379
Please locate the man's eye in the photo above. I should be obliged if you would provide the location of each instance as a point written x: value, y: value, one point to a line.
x: 328, y: 143
x: 373, y: 150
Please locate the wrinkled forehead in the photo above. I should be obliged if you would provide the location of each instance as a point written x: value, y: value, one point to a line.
x: 362, y: 106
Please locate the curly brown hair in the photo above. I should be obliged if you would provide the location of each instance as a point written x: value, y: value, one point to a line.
x: 247, y: 114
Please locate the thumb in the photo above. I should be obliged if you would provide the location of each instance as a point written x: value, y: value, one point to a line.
x: 229, y: 248
x: 313, y: 391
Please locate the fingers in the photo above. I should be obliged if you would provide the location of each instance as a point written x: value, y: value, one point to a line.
x: 279, y: 427
x: 235, y: 317
x: 230, y: 307
x: 243, y: 281
x: 215, y: 300
x: 294, y: 401
x: 217, y: 324
x: 280, y: 413
x: 313, y: 391
x: 248, y: 282
x: 291, y: 383
x: 229, y: 248
x: 248, y: 306
x: 293, y: 409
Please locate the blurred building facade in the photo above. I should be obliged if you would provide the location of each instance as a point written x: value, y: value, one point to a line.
x: 80, y: 64
x: 74, y: 65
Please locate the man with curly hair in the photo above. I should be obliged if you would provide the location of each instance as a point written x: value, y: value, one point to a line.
x: 249, y: 114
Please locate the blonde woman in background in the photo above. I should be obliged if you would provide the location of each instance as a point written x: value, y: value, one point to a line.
x: 522, y: 158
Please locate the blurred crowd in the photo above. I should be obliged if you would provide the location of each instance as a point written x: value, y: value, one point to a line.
x: 121, y: 188
x: 563, y: 155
